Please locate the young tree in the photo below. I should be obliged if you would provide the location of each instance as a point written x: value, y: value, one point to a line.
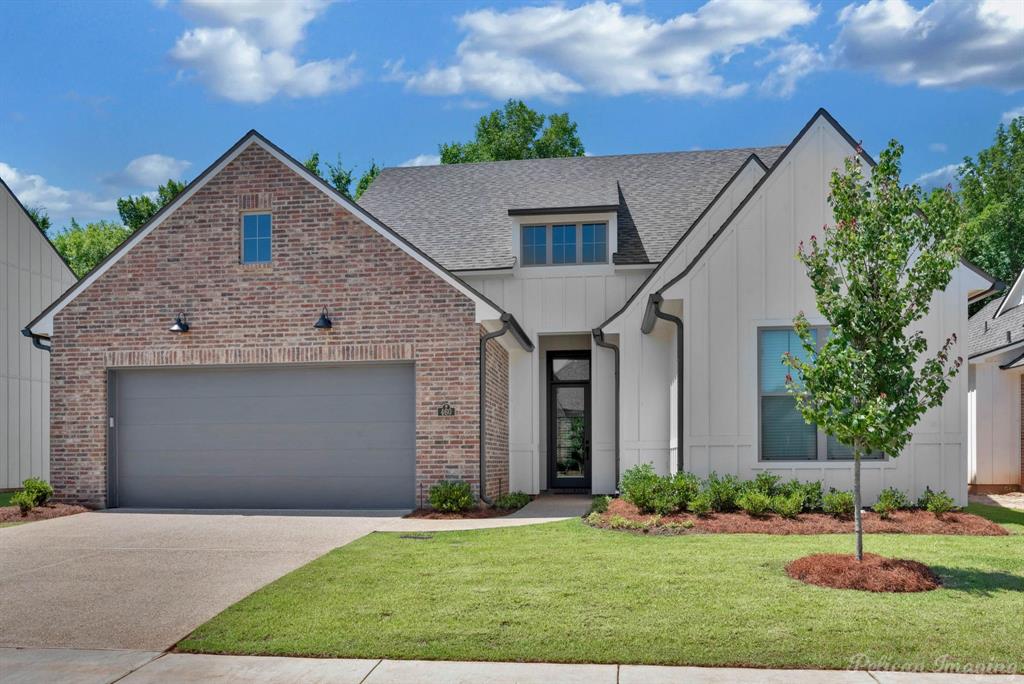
x: 135, y: 211
x: 85, y: 246
x: 366, y: 180
x: 873, y: 277
x: 39, y: 217
x: 516, y: 132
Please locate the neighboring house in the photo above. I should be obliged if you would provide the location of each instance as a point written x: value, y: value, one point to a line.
x: 553, y: 276
x: 996, y: 398
x: 32, y: 274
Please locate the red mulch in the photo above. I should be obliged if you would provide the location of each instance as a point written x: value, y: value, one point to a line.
x: 874, y: 573
x: 11, y: 514
x: 907, y: 522
x: 471, y: 514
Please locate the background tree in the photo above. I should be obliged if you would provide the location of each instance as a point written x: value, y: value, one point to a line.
x: 85, y: 246
x: 873, y: 277
x: 135, y: 211
x: 341, y: 177
x: 39, y: 217
x: 516, y: 132
x: 992, y: 194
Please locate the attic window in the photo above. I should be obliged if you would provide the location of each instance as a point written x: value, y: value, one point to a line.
x: 256, y: 237
x: 561, y: 244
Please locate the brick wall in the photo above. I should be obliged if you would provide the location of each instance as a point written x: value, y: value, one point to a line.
x: 384, y: 304
x: 496, y: 412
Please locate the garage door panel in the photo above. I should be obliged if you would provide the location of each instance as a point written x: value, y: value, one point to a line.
x: 266, y: 437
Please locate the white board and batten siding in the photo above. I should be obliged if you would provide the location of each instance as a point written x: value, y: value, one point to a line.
x: 31, y: 276
x: 748, y: 279
x: 994, y: 416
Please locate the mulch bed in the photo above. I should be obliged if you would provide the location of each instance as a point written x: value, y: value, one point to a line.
x: 874, y: 573
x: 471, y: 514
x: 906, y: 522
x: 12, y: 514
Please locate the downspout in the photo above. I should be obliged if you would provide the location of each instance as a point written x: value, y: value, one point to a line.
x: 35, y: 340
x: 653, y: 313
x: 600, y: 342
x: 507, y: 323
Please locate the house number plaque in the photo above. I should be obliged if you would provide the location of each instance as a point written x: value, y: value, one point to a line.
x: 445, y: 409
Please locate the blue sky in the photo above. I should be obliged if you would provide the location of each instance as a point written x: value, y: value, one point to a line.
x: 101, y: 99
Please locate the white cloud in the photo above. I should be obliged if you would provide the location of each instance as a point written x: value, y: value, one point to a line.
x: 938, y: 147
x: 551, y: 51
x: 149, y: 171
x: 794, y: 61
x: 940, y: 177
x: 248, y: 55
x: 34, y: 191
x: 947, y: 43
x: 1012, y: 114
x: 422, y: 160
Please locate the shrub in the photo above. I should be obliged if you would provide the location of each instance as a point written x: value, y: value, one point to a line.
x: 594, y: 518
x: 722, y: 491
x: 700, y: 504
x: 600, y: 504
x: 755, y: 503
x: 653, y: 493
x: 890, y: 499
x: 23, y: 500
x: 512, y: 500
x: 639, y: 486
x: 451, y: 496
x: 788, y: 506
x: 766, y: 483
x: 810, y: 493
x: 838, y: 503
x: 39, y: 489
x: 939, y: 503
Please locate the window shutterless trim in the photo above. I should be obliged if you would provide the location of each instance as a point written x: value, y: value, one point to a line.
x: 241, y: 236
x: 549, y: 243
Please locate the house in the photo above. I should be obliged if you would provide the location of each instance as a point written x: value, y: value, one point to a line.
x: 996, y: 393
x: 32, y: 274
x: 540, y: 325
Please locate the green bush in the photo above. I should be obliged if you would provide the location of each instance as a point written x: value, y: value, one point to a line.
x: 766, y: 483
x: 938, y: 502
x: 639, y: 486
x: 788, y: 506
x: 512, y: 501
x: 700, y: 504
x: 451, y: 496
x: 23, y: 500
x: 755, y: 503
x: 600, y: 504
x: 722, y: 491
x: 890, y: 499
x: 810, y: 493
x: 37, y: 488
x: 653, y: 493
x: 684, y: 486
x: 838, y: 503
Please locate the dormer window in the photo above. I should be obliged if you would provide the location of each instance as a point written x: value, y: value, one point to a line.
x: 561, y: 244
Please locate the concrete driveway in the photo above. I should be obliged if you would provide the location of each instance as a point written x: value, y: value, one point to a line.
x: 124, y: 580
x: 142, y: 580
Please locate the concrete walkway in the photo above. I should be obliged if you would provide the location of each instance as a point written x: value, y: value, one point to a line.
x: 31, y: 666
x: 1013, y: 500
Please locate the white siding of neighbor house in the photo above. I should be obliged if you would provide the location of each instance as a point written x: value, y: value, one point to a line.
x: 558, y: 307
x: 31, y: 276
x: 993, y: 407
x: 750, y: 278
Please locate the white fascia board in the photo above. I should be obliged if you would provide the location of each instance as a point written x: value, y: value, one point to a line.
x: 485, y: 310
x: 1015, y: 297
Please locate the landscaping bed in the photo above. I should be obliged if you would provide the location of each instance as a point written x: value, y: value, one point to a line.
x: 873, y: 573
x: 475, y: 512
x: 12, y: 514
x: 622, y: 515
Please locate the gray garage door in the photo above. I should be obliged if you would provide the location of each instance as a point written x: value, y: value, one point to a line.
x: 267, y: 437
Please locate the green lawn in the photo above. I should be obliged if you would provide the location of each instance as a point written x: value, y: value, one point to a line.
x: 5, y: 498
x: 566, y: 592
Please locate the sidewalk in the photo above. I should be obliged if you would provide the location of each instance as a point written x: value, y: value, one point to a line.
x: 31, y: 666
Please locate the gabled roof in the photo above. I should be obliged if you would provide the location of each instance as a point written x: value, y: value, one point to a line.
x: 999, y: 324
x: 459, y: 213
x: 42, y: 325
x: 41, y: 232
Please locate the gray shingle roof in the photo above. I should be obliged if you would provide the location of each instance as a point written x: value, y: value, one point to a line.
x: 984, y: 338
x: 458, y: 214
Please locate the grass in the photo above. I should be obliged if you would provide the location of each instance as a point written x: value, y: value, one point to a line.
x: 1007, y: 517
x: 566, y: 592
x: 5, y: 498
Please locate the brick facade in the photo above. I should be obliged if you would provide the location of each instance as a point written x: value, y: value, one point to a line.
x: 385, y: 306
x: 496, y: 413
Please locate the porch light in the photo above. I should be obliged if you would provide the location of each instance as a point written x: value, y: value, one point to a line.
x: 324, y: 322
x: 180, y: 323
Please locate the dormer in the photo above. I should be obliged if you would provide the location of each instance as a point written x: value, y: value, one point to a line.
x: 576, y: 239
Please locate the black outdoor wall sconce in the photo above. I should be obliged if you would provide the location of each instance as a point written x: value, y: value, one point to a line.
x: 324, y: 322
x: 180, y: 323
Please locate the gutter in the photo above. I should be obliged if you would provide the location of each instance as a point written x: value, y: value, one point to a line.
x: 36, y: 340
x: 600, y: 342
x: 508, y: 324
x: 651, y: 316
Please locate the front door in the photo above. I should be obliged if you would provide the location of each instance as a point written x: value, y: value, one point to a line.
x: 569, y: 420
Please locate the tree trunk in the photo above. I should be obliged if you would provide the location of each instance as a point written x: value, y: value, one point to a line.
x: 858, y: 526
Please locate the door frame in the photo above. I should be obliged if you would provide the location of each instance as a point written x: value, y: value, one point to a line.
x: 550, y: 385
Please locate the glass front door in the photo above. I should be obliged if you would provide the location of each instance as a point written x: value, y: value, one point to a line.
x: 569, y: 420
